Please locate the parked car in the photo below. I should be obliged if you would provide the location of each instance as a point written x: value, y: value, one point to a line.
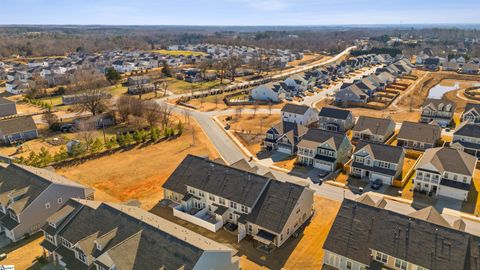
x: 377, y: 184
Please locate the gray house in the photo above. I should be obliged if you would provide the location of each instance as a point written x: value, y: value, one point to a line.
x: 324, y: 150
x: 7, y: 107
x: 284, y: 137
x: 467, y: 138
x: 418, y: 136
x: 94, y: 235
x: 332, y: 119
x: 212, y: 195
x: 375, y: 161
x: 471, y: 113
x: 368, y: 234
x: 28, y: 196
x: 438, y: 110
x: 373, y: 129
x: 17, y: 129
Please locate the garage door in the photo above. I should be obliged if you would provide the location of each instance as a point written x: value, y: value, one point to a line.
x: 454, y: 193
x: 285, y: 150
x: 323, y: 166
x: 387, y: 180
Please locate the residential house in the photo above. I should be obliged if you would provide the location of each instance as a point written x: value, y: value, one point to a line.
x: 17, y: 129
x: 28, y: 196
x: 432, y: 63
x: 98, y: 235
x: 324, y: 150
x: 299, y: 114
x: 451, y: 66
x: 269, y: 92
x: 470, y: 68
x: 373, y: 129
x: 351, y: 94
x: 333, y: 119
x: 377, y: 234
x: 298, y: 82
x: 213, y: 195
x: 467, y: 138
x: 375, y: 161
x: 445, y: 172
x: 471, y: 113
x: 137, y: 80
x: 418, y: 136
x: 438, y: 110
x: 7, y: 107
x: 284, y: 137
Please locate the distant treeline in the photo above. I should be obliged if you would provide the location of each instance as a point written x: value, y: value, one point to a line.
x: 390, y: 51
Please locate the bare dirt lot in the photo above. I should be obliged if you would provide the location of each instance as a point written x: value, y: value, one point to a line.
x: 139, y: 173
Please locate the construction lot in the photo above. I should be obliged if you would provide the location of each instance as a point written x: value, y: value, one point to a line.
x: 304, y: 252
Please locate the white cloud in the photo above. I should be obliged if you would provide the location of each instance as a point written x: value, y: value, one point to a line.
x: 265, y: 5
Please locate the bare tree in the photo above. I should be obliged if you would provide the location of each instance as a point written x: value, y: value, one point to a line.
x: 166, y: 111
x: 93, y: 101
x: 238, y: 111
x: 221, y: 66
x: 50, y: 118
x: 216, y: 99
x: 165, y: 85
x: 233, y: 63
x: 124, y: 107
x: 270, y: 105
x: 137, y: 107
x: 153, y: 112
x: 87, y: 131
x: 38, y: 86
x: 186, y: 114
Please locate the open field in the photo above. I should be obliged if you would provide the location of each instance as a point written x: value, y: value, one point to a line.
x: 305, y: 252
x: 140, y: 172
x: 178, y: 52
x: 180, y: 86
x: 215, y: 102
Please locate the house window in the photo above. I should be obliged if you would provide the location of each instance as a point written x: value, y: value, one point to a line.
x: 233, y: 205
x: 47, y: 205
x: 381, y: 257
x: 401, y: 264
x: 59, y: 200
x: 455, y: 177
x: 211, y: 198
x: 244, y: 209
x: 50, y: 238
x: 349, y: 265
x: 421, y: 268
x: 221, y: 201
x: 250, y: 228
x: 66, y: 244
x: 82, y: 257
x: 464, y: 179
x: 201, y: 194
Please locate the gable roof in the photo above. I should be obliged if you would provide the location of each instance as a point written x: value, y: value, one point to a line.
x: 472, y: 106
x: 420, y: 132
x: 233, y: 184
x: 446, y: 159
x: 294, y: 108
x: 468, y: 130
x: 382, y: 152
x: 377, y: 126
x: 334, y: 113
x: 141, y: 240
x: 360, y: 228
x: 437, y: 101
x: 17, y: 125
x: 276, y: 205
x: 314, y: 137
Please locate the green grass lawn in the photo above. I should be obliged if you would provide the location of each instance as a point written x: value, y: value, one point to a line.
x: 176, y: 53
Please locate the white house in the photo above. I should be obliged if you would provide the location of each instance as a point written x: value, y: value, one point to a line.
x: 299, y: 114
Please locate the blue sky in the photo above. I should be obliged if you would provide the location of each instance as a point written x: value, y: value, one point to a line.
x: 239, y: 12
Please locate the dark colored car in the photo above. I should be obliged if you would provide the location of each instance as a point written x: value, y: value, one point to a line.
x: 377, y: 184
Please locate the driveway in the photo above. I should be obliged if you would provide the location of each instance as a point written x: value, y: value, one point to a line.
x: 4, y: 241
x: 444, y: 202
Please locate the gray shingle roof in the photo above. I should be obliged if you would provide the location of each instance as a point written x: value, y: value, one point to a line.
x: 233, y: 184
x: 276, y: 205
x: 314, y: 137
x: 377, y: 126
x: 296, y: 109
x: 359, y: 228
x: 468, y: 130
x: 419, y: 132
x: 17, y: 125
x: 141, y: 239
x: 448, y: 159
x: 381, y: 152
x: 334, y: 113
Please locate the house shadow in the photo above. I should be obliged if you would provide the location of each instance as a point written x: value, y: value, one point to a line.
x: 275, y: 259
x: 13, y: 246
